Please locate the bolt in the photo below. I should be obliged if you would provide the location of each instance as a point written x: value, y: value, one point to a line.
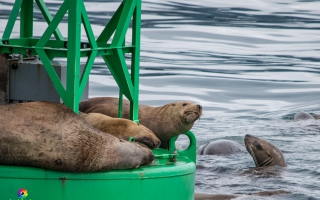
x: 14, y: 66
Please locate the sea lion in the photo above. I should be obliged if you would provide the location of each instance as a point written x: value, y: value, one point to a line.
x: 122, y: 128
x: 263, y: 152
x: 222, y: 147
x: 302, y: 116
x: 51, y: 136
x: 165, y: 121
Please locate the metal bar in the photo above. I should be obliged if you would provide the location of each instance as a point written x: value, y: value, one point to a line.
x: 73, y: 60
x: 57, y: 53
x: 48, y: 17
x: 124, y: 23
x: 119, y: 66
x: 12, y: 19
x: 135, y: 61
x: 26, y: 19
x: 52, y: 73
x: 111, y: 26
x: 54, y: 53
x: 107, y: 60
x: 87, y: 27
x: 86, y: 72
x: 53, y: 25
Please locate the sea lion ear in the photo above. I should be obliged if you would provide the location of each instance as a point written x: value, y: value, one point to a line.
x: 184, y: 104
x: 173, y: 104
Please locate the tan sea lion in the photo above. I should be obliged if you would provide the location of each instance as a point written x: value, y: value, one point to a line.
x: 222, y: 147
x: 302, y: 116
x: 51, y: 136
x: 122, y: 128
x: 263, y: 152
x: 165, y: 121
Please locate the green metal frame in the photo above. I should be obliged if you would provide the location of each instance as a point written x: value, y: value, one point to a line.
x: 73, y: 49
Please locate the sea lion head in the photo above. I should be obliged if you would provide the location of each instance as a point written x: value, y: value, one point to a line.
x: 144, y: 136
x: 263, y: 152
x: 189, y: 111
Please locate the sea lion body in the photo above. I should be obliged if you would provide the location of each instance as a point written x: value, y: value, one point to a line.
x: 222, y: 147
x: 263, y: 152
x: 51, y: 136
x: 302, y: 116
x: 165, y: 121
x: 122, y: 128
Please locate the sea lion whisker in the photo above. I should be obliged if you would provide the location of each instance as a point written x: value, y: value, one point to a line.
x: 267, y: 162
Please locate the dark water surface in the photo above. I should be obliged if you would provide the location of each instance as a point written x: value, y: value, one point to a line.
x: 250, y: 64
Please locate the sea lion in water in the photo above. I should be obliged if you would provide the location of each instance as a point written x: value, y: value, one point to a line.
x: 263, y: 152
x: 51, y: 136
x: 122, y: 128
x: 302, y: 116
x: 222, y: 147
x: 165, y: 121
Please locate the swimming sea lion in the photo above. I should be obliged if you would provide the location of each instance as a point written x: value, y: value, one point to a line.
x: 222, y: 147
x: 165, y: 121
x: 263, y: 152
x: 122, y: 128
x: 51, y: 136
x: 302, y: 116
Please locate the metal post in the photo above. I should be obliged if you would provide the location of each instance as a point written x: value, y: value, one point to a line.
x: 26, y: 19
x: 73, y: 61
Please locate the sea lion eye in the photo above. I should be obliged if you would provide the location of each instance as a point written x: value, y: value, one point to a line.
x: 184, y: 104
x: 259, y: 146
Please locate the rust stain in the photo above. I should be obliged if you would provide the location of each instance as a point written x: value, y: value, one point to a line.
x: 63, y: 181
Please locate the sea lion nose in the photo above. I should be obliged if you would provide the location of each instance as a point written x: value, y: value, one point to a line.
x: 200, y: 107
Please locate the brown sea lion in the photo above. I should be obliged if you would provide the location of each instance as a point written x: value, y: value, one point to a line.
x: 122, y: 128
x: 222, y: 147
x: 263, y: 152
x: 302, y: 116
x: 51, y: 136
x: 165, y: 121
